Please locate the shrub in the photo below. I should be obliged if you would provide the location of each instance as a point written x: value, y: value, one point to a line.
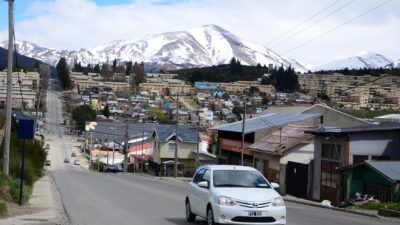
x: 380, y: 205
x: 3, y: 209
x: 14, y: 191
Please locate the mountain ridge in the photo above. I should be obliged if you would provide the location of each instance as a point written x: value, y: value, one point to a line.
x: 202, y: 46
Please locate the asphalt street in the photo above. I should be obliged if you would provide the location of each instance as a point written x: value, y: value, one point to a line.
x: 105, y: 198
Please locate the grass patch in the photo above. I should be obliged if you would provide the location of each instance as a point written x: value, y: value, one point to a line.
x: 380, y: 205
x: 3, y: 209
x: 14, y: 191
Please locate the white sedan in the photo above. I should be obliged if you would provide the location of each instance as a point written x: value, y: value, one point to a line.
x: 229, y: 194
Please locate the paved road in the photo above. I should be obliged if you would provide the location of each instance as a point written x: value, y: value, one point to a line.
x: 99, y: 198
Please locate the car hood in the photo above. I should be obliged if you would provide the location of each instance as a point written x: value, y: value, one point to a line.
x: 247, y: 194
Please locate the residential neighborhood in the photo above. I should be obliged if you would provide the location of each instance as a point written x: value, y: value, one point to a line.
x: 172, y: 112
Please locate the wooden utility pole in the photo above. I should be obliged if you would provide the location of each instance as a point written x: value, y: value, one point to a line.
x: 126, y: 148
x: 176, y: 138
x: 243, y: 129
x: 6, y: 151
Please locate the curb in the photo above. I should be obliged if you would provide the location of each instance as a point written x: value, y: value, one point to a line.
x: 333, y: 208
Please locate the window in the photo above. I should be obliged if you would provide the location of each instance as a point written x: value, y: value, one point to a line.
x: 206, y: 176
x: 331, y: 152
x: 197, y: 178
x: 172, y: 146
x: 239, y: 178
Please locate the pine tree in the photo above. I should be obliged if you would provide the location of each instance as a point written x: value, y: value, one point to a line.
x: 106, y: 111
x: 63, y: 74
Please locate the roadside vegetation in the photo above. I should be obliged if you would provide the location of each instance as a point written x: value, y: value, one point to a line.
x: 33, y: 170
x: 380, y: 205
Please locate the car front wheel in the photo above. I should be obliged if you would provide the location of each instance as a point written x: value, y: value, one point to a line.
x: 210, y: 216
x: 190, y: 217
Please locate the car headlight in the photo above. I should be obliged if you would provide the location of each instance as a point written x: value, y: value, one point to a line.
x: 278, y: 202
x: 222, y: 200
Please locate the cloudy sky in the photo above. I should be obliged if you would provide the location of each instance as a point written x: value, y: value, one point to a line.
x: 74, y: 24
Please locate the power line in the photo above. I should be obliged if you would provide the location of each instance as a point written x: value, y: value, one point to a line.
x: 337, y: 27
x: 313, y: 24
x: 305, y: 21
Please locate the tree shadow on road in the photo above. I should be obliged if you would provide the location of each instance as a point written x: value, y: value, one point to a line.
x: 182, y: 221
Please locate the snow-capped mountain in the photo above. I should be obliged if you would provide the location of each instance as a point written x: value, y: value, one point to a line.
x: 366, y: 60
x: 395, y: 64
x: 204, y: 46
x: 299, y: 67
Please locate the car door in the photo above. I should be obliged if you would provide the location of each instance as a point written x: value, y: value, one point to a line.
x: 204, y: 194
x: 194, y: 191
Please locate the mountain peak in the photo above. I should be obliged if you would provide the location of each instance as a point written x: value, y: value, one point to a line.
x: 361, y: 60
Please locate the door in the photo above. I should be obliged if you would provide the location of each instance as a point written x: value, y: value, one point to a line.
x: 204, y: 194
x: 194, y: 191
x: 329, y: 180
x: 297, y: 179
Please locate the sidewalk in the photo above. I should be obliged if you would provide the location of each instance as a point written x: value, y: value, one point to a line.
x: 45, y: 206
x: 371, y: 213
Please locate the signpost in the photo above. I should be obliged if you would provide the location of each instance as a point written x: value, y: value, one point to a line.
x: 25, y: 131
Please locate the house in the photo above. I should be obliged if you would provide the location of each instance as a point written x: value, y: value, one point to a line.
x: 378, y: 178
x: 335, y: 148
x: 230, y: 135
x: 170, y: 138
x: 278, y: 153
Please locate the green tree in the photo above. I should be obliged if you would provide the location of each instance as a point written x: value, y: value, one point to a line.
x: 128, y: 70
x: 81, y: 114
x: 106, y: 72
x: 106, y: 111
x: 226, y: 96
x: 265, y: 101
x: 254, y: 90
x: 63, y: 74
x: 115, y: 65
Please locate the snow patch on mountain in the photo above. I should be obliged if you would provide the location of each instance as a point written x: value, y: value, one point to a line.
x: 364, y: 60
x: 203, y: 46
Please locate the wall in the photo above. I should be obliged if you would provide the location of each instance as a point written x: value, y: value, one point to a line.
x: 375, y: 143
x: 340, y: 141
x: 303, y: 153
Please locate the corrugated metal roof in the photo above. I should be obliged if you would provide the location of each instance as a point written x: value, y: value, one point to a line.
x: 116, y: 131
x: 371, y: 128
x: 264, y: 122
x: 390, y: 169
x: 186, y: 133
x: 280, y: 141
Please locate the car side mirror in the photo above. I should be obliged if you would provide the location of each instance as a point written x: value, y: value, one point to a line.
x: 203, y: 184
x: 274, y: 185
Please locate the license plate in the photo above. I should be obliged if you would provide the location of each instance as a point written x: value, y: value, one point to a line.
x: 255, y: 213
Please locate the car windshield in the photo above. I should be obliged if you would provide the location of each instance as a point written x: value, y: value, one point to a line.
x: 239, y: 178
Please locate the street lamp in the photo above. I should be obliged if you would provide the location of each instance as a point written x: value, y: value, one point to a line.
x: 88, y: 127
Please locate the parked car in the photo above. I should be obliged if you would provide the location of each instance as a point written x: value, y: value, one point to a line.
x: 47, y: 146
x: 73, y: 154
x: 77, y: 162
x: 229, y: 194
x: 66, y: 160
x: 47, y: 162
x: 111, y: 168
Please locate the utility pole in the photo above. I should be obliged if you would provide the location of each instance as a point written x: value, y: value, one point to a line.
x: 198, y: 137
x: 176, y: 138
x: 6, y: 151
x: 141, y: 164
x: 126, y: 148
x: 37, y: 107
x: 243, y: 129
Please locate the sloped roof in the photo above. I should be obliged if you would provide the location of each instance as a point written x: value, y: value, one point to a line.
x: 359, y: 129
x: 390, y: 169
x: 264, y: 122
x: 185, y: 133
x: 281, y: 140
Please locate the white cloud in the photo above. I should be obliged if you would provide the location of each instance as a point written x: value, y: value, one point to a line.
x: 75, y: 24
